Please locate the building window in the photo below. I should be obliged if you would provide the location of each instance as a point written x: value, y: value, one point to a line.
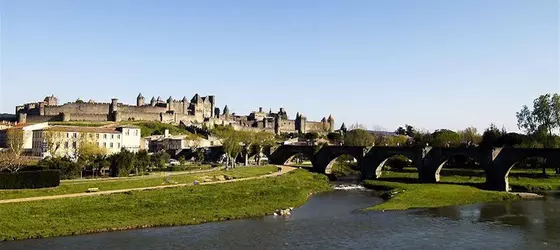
x: 74, y: 145
x: 66, y: 145
x: 126, y: 132
x: 97, y: 136
x: 118, y: 145
x: 111, y: 144
x: 75, y: 135
x: 112, y: 136
x: 67, y: 135
x: 105, y: 145
x: 118, y: 136
x: 136, y: 132
x: 104, y: 136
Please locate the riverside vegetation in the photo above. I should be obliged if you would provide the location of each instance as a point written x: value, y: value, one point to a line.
x: 166, y: 207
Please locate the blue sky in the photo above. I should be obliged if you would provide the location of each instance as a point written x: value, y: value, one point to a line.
x: 430, y: 63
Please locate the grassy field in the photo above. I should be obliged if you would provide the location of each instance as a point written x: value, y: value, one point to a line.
x: 519, y: 179
x: 343, y: 169
x: 69, y: 187
x: 408, y: 196
x: 166, y: 207
x: 456, y: 187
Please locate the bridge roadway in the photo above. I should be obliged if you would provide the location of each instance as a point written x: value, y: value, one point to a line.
x: 496, y: 162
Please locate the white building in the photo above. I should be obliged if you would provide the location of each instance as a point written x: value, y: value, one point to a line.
x: 66, y: 139
x: 27, y: 134
x: 166, y: 142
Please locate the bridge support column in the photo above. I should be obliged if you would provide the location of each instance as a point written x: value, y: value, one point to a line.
x: 427, y: 174
x: 369, y: 172
x: 495, y: 179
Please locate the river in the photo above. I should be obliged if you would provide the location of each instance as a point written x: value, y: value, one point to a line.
x: 335, y: 221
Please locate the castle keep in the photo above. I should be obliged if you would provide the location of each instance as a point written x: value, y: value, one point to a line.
x: 197, y: 111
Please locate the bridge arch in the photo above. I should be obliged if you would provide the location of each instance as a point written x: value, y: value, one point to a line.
x: 327, y: 155
x: 441, y: 156
x: 283, y: 154
x: 505, y: 159
x: 376, y: 157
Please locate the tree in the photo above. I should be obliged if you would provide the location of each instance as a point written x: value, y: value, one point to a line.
x: 159, y: 159
x: 470, y: 136
x: 445, y: 138
x: 262, y: 140
x: 311, y: 136
x: 232, y: 147
x: 334, y: 137
x: 53, y: 140
x: 182, y: 161
x: 359, y: 137
x: 357, y: 126
x: 16, y: 141
x: 544, y: 118
x: 142, y: 160
x: 87, y: 149
x: 491, y: 137
x: 99, y: 163
x: 407, y: 130
x: 122, y: 163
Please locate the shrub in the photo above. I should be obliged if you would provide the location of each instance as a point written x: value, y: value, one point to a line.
x: 122, y: 163
x: 397, y: 162
x: 30, y: 179
x: 68, y: 168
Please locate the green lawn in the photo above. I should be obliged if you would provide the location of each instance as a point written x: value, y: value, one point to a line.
x: 69, y: 187
x: 165, y: 207
x: 520, y: 179
x: 456, y: 187
x: 408, y: 196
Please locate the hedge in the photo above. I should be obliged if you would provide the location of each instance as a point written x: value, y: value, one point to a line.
x: 29, y: 179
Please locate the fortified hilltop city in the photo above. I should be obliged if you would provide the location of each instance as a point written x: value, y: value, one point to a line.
x: 199, y: 111
x: 447, y: 130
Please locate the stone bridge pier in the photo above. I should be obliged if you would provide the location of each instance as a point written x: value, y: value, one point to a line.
x: 504, y: 159
x: 429, y: 161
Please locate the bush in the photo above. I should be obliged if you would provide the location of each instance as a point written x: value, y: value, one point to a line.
x: 397, y: 162
x: 30, y: 179
x: 122, y: 163
x: 68, y: 168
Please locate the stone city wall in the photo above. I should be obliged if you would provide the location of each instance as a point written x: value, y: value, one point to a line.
x: 72, y: 108
x: 316, y: 126
x: 138, y: 116
x: 85, y: 117
x: 140, y: 109
x: 42, y: 118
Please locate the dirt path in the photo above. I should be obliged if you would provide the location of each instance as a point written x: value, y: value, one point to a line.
x: 156, y: 175
x: 283, y: 170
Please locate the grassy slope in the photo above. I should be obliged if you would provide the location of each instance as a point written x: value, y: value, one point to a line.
x: 176, y: 206
x: 104, y: 185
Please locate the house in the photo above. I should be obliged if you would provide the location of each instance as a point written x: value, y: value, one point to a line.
x: 27, y: 135
x: 65, y: 140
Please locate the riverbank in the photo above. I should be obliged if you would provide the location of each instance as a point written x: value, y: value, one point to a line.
x: 166, y: 207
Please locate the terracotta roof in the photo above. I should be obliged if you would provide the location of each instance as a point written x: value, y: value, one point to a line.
x: 83, y: 129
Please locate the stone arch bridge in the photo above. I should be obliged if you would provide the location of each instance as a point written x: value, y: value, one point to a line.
x: 496, y: 162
